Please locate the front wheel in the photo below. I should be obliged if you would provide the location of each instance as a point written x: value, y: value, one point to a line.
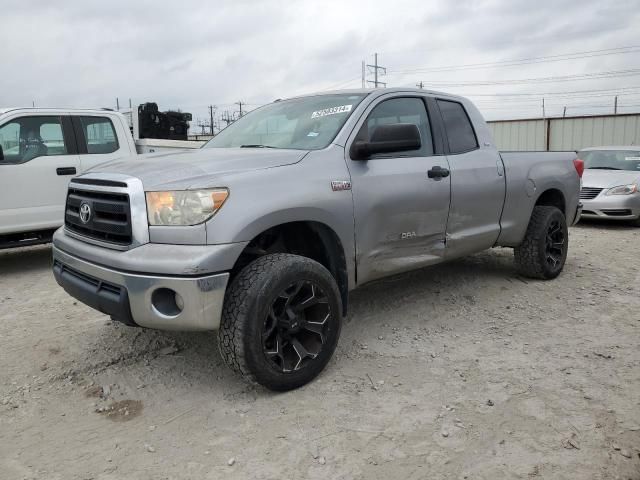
x: 543, y: 251
x: 281, y: 321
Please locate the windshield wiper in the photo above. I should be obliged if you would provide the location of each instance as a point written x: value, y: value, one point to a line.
x: 257, y: 145
x: 603, y: 168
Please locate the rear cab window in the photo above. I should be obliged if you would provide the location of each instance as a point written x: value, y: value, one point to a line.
x: 99, y: 134
x: 459, y: 129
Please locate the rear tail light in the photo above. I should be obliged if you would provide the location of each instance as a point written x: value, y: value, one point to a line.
x: 579, y: 164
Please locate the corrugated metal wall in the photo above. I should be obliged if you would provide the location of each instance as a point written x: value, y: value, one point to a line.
x: 571, y: 133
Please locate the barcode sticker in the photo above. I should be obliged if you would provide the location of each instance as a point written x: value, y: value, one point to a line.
x: 331, y: 111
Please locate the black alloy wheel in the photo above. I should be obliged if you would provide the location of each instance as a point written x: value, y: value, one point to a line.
x: 295, y: 329
x: 555, y: 244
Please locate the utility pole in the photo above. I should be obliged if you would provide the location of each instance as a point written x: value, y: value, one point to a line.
x: 564, y: 113
x: 227, y: 118
x: 615, y: 106
x: 420, y: 85
x: 240, y: 103
x: 211, y: 109
x: 375, y: 68
x: 202, y: 126
x: 363, y: 75
x: 130, y: 104
x: 117, y: 104
x: 543, y: 112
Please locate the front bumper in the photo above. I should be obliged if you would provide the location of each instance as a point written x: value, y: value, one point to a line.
x: 143, y: 299
x: 615, y: 207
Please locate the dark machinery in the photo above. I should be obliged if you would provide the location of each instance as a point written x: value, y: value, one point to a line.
x: 169, y: 125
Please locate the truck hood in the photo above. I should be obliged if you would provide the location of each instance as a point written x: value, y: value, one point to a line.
x: 609, y: 178
x: 185, y: 169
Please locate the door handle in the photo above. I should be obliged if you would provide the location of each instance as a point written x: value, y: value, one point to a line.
x: 438, y: 172
x: 66, y: 171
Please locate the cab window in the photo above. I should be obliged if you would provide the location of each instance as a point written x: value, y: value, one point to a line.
x: 460, y: 133
x: 26, y: 138
x: 401, y: 110
x: 100, y: 135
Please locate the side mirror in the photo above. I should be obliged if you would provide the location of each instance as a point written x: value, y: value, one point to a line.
x: 396, y: 137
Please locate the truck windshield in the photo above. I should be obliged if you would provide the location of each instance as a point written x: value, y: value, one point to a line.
x: 611, y: 159
x: 308, y: 123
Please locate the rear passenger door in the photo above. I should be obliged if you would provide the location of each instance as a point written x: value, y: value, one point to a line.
x: 98, y: 140
x: 40, y: 157
x: 477, y: 183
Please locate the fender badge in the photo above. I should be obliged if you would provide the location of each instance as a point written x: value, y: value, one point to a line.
x: 339, y: 185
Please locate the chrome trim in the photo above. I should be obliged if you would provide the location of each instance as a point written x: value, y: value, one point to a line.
x: 203, y: 296
x: 95, y: 241
x: 137, y: 204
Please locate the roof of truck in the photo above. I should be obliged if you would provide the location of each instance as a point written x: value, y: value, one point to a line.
x: 367, y: 91
x: 57, y: 109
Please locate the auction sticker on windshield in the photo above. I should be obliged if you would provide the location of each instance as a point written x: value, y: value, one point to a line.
x: 331, y: 111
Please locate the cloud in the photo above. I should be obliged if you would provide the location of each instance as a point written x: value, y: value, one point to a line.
x: 191, y: 54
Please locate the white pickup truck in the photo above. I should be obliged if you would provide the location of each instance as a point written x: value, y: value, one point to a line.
x: 41, y: 149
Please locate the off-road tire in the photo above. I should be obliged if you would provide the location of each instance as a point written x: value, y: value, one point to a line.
x: 531, y: 256
x: 247, y: 302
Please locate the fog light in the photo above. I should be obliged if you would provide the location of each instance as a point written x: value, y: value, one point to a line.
x: 167, y: 302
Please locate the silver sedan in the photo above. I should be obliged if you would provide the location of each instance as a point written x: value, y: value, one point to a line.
x: 610, y: 184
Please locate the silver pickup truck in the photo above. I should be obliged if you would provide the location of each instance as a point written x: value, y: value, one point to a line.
x: 262, y: 233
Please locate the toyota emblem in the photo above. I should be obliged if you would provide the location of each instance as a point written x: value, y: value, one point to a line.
x: 85, y: 212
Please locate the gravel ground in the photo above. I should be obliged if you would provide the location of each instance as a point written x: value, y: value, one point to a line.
x: 463, y: 370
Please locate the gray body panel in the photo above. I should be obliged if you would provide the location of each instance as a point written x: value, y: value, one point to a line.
x: 393, y: 219
x: 529, y: 175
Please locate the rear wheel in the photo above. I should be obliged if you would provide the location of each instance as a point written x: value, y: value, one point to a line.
x: 543, y: 252
x: 281, y: 321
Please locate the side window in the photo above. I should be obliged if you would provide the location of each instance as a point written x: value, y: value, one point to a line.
x: 99, y: 134
x: 401, y: 110
x: 460, y: 132
x: 26, y: 138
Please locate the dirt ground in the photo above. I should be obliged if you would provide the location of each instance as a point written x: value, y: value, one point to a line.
x: 463, y: 370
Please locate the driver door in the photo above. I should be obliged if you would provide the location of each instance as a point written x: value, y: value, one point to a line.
x: 400, y: 212
x: 39, y: 160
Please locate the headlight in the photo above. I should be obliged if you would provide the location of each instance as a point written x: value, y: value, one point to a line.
x: 186, y: 207
x: 623, y: 190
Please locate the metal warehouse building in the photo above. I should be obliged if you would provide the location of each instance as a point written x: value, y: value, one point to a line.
x: 568, y: 133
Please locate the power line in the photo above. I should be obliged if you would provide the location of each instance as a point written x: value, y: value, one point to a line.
x: 523, y: 81
x: 508, y: 63
x: 589, y: 92
x: 525, y: 61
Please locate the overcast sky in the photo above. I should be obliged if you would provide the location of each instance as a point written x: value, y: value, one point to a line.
x: 187, y: 55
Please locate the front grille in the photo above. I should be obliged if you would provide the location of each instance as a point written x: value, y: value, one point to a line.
x: 589, y: 193
x: 110, y: 219
x: 617, y: 212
